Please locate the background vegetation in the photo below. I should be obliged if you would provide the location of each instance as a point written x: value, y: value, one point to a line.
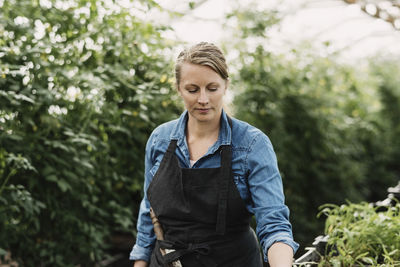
x: 361, y: 236
x: 83, y: 83
x: 333, y: 126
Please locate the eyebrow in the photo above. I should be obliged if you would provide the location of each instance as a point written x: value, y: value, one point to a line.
x: 191, y: 84
x: 213, y: 83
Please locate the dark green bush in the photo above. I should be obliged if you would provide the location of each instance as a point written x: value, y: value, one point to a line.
x: 82, y: 84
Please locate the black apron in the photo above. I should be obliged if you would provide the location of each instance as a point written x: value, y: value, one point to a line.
x: 202, y: 214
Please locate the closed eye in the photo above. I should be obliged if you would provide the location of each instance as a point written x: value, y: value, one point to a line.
x: 192, y: 89
x: 213, y: 87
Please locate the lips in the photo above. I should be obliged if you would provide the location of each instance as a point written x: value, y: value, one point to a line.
x: 203, y: 110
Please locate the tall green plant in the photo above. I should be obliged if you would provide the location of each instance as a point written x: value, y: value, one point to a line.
x: 82, y: 84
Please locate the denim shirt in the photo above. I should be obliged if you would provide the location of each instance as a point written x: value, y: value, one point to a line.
x: 255, y: 173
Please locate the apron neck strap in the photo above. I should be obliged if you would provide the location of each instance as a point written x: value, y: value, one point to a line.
x: 226, y: 166
x: 172, y: 146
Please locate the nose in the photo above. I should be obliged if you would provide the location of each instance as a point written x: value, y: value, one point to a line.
x: 203, y: 97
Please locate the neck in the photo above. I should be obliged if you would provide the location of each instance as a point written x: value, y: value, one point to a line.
x: 202, y: 130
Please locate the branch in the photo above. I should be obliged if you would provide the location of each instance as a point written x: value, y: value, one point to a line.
x: 380, y: 12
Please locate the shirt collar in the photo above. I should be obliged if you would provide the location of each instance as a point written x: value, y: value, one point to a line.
x: 225, y: 133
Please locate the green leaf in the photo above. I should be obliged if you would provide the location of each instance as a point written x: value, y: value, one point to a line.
x: 52, y: 178
x: 63, y: 185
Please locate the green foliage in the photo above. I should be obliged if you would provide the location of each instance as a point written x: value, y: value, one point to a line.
x: 82, y: 84
x: 359, y: 235
x: 253, y: 23
x: 328, y: 121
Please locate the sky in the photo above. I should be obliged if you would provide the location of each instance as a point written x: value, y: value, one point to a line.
x: 350, y: 31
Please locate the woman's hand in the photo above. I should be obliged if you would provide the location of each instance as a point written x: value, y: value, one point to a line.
x: 280, y: 255
x: 140, y: 263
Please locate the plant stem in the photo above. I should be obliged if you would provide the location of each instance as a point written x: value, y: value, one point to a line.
x: 12, y: 172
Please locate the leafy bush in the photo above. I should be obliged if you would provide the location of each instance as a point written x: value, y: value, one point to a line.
x: 82, y: 84
x: 359, y: 235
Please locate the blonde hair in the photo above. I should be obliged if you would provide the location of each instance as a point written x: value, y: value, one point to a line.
x: 205, y: 54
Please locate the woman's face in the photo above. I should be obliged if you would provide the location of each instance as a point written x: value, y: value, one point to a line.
x: 202, y: 91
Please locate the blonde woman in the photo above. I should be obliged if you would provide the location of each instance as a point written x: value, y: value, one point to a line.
x: 206, y: 174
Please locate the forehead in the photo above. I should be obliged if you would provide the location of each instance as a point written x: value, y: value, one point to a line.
x: 194, y: 72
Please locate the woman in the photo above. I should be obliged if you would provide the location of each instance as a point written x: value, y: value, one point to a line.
x: 206, y: 174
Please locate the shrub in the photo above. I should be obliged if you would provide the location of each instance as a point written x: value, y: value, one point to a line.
x: 82, y: 84
x: 359, y: 235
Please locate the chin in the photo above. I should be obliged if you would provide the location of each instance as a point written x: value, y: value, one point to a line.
x: 202, y: 118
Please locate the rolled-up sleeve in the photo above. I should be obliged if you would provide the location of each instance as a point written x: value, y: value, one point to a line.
x: 145, y: 232
x: 268, y: 201
x: 145, y: 235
